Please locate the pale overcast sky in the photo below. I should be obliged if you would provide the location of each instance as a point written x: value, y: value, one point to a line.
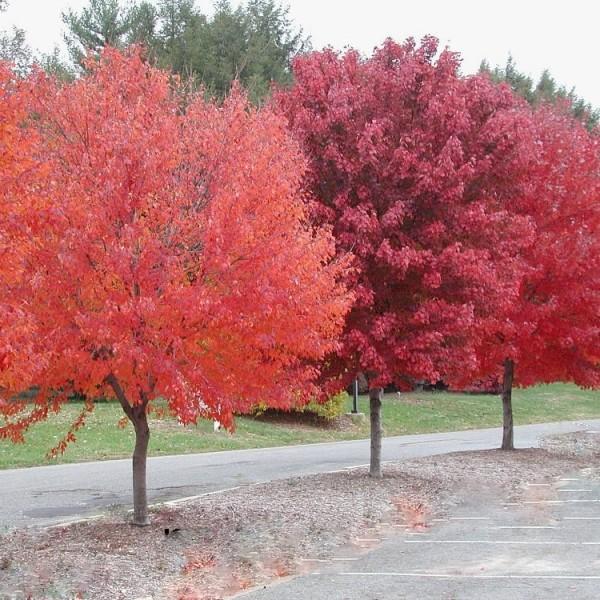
x: 563, y: 36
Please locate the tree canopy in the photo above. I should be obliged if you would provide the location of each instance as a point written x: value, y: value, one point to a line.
x: 414, y: 168
x: 159, y: 252
x: 472, y: 217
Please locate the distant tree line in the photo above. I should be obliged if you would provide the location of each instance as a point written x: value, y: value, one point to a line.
x: 13, y: 46
x: 544, y: 90
x: 254, y: 43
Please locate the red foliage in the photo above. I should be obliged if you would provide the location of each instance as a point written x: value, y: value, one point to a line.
x: 551, y: 331
x: 415, y: 168
x: 21, y: 213
x: 174, y: 253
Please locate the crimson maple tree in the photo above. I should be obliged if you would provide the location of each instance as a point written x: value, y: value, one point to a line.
x: 550, y: 332
x: 175, y: 259
x: 415, y: 169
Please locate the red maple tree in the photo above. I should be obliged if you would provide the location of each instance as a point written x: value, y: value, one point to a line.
x: 550, y: 333
x: 175, y: 262
x: 415, y: 169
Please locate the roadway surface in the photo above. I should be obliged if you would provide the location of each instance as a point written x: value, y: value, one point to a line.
x: 42, y: 496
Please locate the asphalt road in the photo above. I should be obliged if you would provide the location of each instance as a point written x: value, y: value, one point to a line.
x: 41, y: 496
x: 544, y: 546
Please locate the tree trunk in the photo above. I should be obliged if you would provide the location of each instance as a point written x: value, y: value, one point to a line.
x: 375, y: 395
x: 507, y: 383
x: 137, y: 415
x: 140, y: 453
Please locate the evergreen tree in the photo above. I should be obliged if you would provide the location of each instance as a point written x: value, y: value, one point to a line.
x: 53, y: 64
x: 273, y: 42
x: 13, y: 46
x: 220, y: 54
x: 180, y: 26
x: 546, y: 90
x: 143, y: 20
x: 254, y: 43
x: 101, y: 23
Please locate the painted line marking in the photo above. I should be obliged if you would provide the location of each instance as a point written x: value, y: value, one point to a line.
x: 197, y: 497
x: 453, y: 576
x: 581, y: 518
x: 524, y: 527
x: 74, y: 521
x: 539, y: 484
x: 469, y: 518
x: 549, y: 502
x: 568, y: 479
x: 574, y: 490
x: 328, y: 560
x: 503, y: 542
x: 383, y: 462
x: 319, y: 560
x: 368, y: 539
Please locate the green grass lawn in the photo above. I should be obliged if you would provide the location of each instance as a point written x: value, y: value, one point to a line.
x: 417, y: 412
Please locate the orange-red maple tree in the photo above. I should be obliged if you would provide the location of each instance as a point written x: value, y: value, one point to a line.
x: 21, y: 210
x: 176, y: 261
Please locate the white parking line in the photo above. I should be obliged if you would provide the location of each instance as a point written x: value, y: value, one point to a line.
x: 574, y: 490
x: 504, y: 542
x: 319, y: 560
x: 524, y: 527
x: 550, y: 502
x: 327, y: 560
x: 454, y: 576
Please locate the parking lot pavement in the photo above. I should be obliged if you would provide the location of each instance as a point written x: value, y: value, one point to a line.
x: 545, y: 544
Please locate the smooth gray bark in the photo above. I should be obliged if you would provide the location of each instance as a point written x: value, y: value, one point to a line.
x: 375, y: 396
x: 507, y: 412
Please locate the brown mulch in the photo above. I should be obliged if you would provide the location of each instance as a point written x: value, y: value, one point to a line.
x: 218, y: 545
x: 584, y: 444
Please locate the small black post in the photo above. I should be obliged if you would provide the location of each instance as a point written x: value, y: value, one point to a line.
x: 355, y: 398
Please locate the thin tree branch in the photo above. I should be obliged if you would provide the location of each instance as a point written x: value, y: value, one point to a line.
x: 120, y: 394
